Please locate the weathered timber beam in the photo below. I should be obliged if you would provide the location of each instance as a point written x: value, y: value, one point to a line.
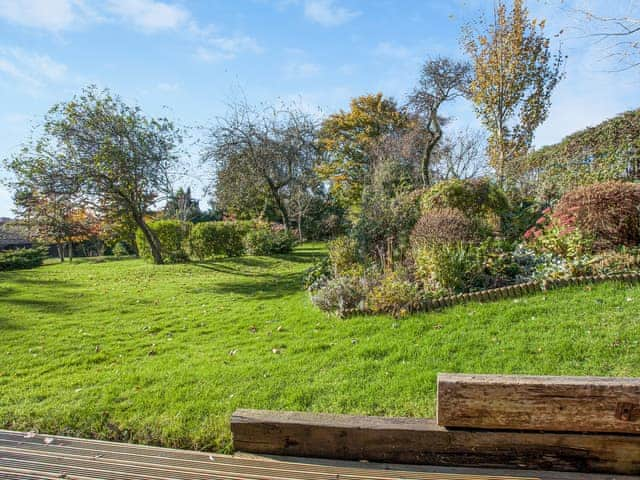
x: 561, y: 404
x: 421, y: 441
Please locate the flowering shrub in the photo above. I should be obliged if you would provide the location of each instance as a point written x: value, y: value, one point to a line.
x: 558, y: 235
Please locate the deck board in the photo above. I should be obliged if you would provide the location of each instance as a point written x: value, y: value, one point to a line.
x: 26, y: 457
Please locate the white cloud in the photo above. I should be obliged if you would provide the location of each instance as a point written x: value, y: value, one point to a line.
x: 33, y: 70
x: 226, y: 48
x: 150, y: 15
x: 327, y: 13
x: 52, y: 15
x: 295, y: 70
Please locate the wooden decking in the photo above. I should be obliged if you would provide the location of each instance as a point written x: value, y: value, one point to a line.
x: 28, y: 456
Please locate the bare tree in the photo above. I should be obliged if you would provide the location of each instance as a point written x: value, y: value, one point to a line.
x: 462, y: 155
x: 272, y: 146
x: 441, y: 80
x: 618, y: 33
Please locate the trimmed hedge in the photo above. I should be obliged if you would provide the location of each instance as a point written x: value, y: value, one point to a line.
x: 209, y: 239
x: 172, y: 235
x: 266, y: 241
x: 22, y: 258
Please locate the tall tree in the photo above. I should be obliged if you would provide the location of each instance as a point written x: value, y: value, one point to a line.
x: 263, y: 151
x: 514, y: 74
x: 107, y: 151
x: 442, y: 80
x: 347, y: 138
x: 182, y: 206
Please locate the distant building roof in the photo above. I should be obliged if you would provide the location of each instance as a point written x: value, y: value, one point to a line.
x: 10, y: 236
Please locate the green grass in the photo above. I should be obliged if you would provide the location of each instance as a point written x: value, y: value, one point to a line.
x: 125, y: 350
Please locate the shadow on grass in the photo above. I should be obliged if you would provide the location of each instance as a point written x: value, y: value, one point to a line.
x: 279, y: 286
x: 26, y: 297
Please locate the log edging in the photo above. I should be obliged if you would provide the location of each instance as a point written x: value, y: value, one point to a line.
x: 521, y: 289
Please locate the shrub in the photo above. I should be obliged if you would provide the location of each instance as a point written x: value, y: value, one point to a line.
x: 384, y: 225
x: 475, y: 198
x: 521, y: 216
x: 343, y: 295
x: 608, y: 212
x: 265, y: 240
x: 395, y: 294
x: 22, y: 258
x: 558, y: 236
x: 172, y: 235
x: 121, y: 249
x: 452, y: 268
x: 343, y: 255
x: 208, y: 239
x: 448, y: 225
x: 317, y: 275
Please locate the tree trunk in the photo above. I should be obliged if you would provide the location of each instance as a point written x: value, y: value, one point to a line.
x: 300, y: 225
x: 152, y: 241
x: 70, y: 250
x: 60, y: 252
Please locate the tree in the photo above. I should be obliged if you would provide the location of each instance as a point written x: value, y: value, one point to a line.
x: 461, y: 155
x: 442, y: 80
x: 182, y: 206
x: 619, y: 34
x: 97, y: 147
x: 54, y: 218
x: 264, y: 153
x: 347, y: 137
x: 514, y: 74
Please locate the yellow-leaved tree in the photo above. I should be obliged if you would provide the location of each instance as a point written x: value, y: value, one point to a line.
x: 514, y: 74
x: 347, y: 137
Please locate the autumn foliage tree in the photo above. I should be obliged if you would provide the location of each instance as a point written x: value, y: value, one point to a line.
x: 514, y: 74
x: 98, y: 148
x: 347, y: 139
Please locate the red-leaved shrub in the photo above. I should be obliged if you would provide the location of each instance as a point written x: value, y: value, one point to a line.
x: 608, y: 212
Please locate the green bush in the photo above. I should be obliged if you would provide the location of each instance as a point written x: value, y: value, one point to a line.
x: 22, y: 258
x: 172, y: 235
x: 268, y: 241
x: 475, y: 198
x: 448, y: 225
x: 343, y: 255
x: 384, y: 225
x: 121, y: 249
x: 395, y: 294
x: 450, y: 268
x: 208, y: 239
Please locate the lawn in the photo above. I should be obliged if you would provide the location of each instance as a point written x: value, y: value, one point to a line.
x: 126, y: 350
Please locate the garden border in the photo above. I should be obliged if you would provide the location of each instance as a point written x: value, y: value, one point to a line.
x: 522, y: 289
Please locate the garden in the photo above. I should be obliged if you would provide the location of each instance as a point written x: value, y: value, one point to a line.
x: 339, y: 262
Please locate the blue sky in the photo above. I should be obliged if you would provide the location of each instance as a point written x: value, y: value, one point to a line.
x: 187, y: 59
